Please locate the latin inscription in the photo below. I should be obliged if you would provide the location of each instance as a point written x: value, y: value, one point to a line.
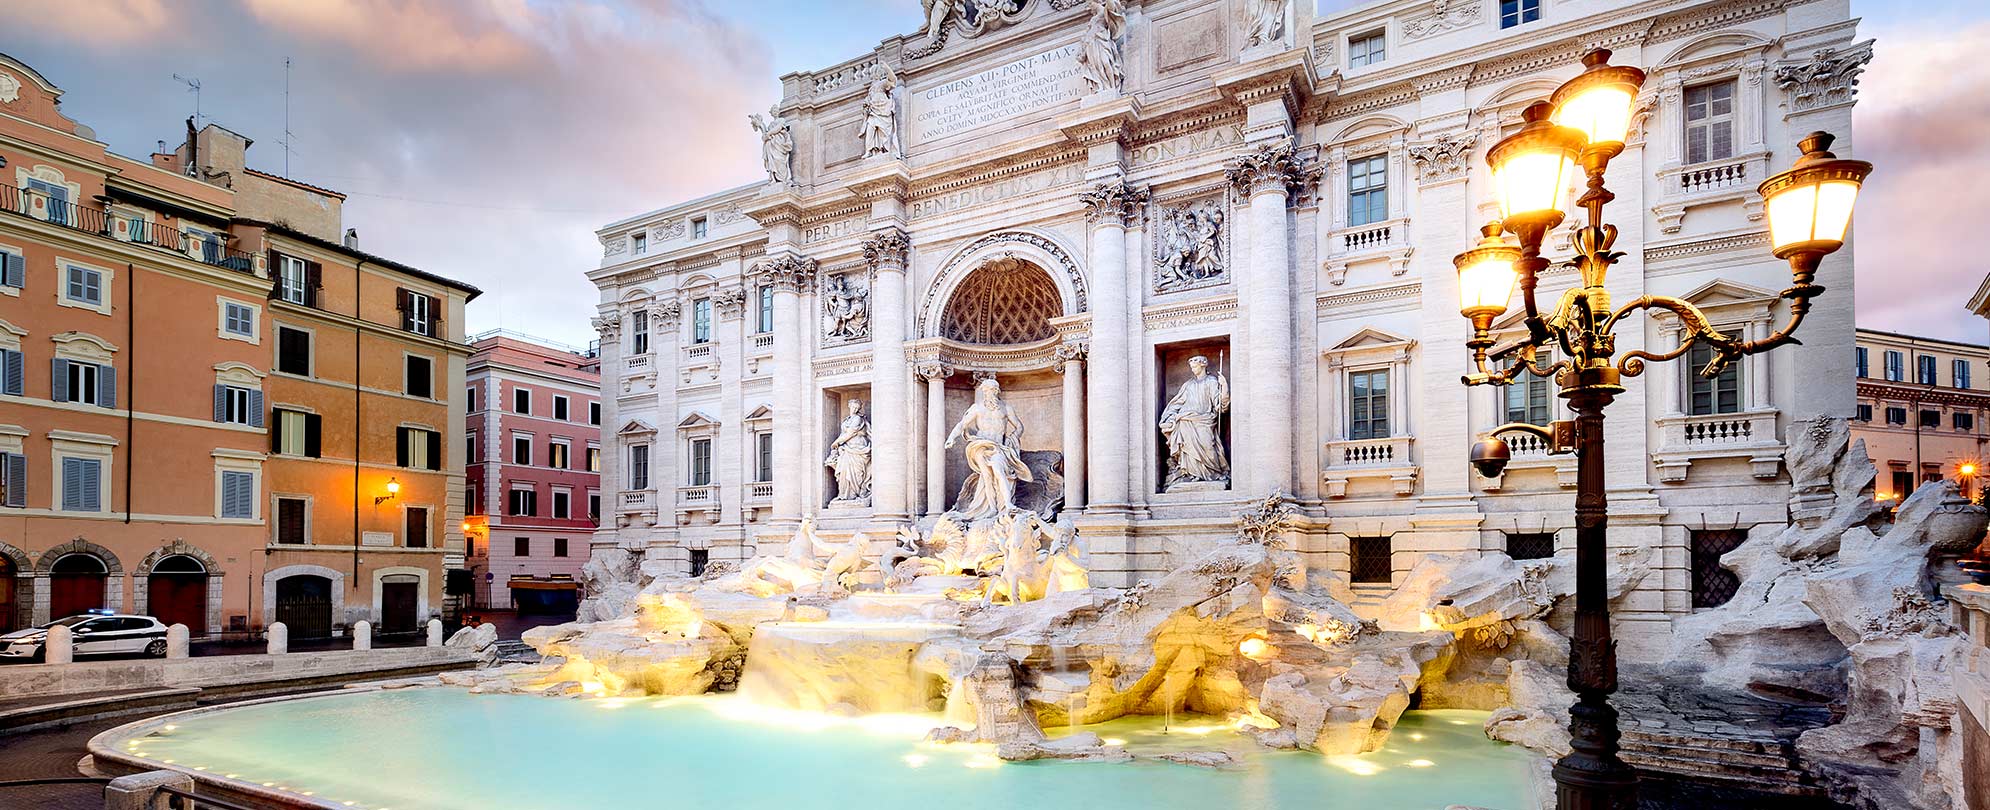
x: 1228, y: 135
x: 831, y: 230
x: 1025, y: 85
x: 998, y: 190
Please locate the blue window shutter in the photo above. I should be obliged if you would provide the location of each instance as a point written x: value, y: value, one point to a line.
x: 72, y: 484
x: 17, y: 479
x: 14, y: 273
x: 92, y: 479
x: 107, y: 386
x: 255, y: 408
x: 58, y: 380
x: 220, y: 403
x: 13, y: 378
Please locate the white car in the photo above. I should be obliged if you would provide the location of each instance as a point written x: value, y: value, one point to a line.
x: 94, y: 633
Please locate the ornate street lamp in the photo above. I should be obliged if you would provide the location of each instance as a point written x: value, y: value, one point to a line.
x: 1585, y: 126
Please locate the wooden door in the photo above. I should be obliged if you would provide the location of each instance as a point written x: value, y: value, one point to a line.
x: 70, y: 594
x: 304, y: 605
x: 179, y: 598
x: 9, y: 616
x: 397, y: 607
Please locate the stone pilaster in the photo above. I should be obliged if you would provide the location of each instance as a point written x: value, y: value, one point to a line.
x: 789, y: 275
x: 1109, y: 206
x: 1267, y: 178
x: 891, y: 495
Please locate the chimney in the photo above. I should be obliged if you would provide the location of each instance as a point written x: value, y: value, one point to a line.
x: 352, y: 238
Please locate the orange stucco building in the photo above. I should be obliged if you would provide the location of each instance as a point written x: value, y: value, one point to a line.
x: 144, y: 395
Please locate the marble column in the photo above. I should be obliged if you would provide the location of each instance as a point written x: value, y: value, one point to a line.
x: 1071, y: 363
x: 1265, y: 178
x: 935, y: 375
x: 789, y: 275
x: 1109, y: 206
x: 891, y: 497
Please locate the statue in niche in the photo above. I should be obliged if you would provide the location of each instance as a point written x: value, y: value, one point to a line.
x: 881, y: 115
x: 777, y: 145
x: 847, y: 308
x: 994, y: 452
x: 850, y: 457
x: 1266, y: 22
x: 1101, y: 57
x: 1191, y: 247
x: 1195, y: 450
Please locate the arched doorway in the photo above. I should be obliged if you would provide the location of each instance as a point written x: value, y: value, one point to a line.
x: 177, y: 593
x: 8, y: 599
x: 399, y: 594
x: 304, y: 605
x: 76, y: 584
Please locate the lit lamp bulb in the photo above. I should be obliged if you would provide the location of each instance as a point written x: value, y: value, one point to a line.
x: 1967, y: 469
x: 1253, y: 647
x: 1598, y: 102
x: 1532, y: 169
x: 1810, y: 205
x: 1486, y: 276
x: 393, y: 487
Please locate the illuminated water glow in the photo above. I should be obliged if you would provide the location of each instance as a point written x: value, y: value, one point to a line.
x: 451, y: 749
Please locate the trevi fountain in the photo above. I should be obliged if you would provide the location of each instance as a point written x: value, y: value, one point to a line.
x: 1064, y: 421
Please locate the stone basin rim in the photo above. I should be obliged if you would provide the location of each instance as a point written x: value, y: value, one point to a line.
x: 103, y: 748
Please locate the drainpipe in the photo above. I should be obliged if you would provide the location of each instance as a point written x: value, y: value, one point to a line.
x: 358, y: 313
x: 130, y: 380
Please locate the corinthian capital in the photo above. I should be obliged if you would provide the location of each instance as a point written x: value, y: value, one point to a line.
x: 1114, y: 201
x: 790, y: 272
x: 886, y: 249
x: 934, y: 371
x: 1273, y: 167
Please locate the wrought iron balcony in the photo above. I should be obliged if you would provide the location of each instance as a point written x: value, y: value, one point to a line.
x: 46, y: 208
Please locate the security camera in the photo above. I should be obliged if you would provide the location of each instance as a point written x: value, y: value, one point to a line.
x: 1490, y: 455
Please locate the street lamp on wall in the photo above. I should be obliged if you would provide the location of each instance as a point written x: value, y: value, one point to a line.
x: 393, y: 490
x: 1585, y: 125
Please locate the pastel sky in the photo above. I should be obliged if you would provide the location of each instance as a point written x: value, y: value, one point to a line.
x: 487, y: 139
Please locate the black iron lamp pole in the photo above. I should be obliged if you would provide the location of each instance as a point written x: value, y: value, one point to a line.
x: 1582, y: 128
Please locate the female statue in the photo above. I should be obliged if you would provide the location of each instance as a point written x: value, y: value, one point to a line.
x: 850, y: 456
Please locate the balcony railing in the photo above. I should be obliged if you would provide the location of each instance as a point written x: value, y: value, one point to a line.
x: 760, y: 493
x: 1714, y: 178
x: 1385, y: 235
x: 701, y: 496
x: 763, y: 343
x: 1393, y: 451
x: 1748, y: 435
x: 640, y: 500
x: 46, y: 208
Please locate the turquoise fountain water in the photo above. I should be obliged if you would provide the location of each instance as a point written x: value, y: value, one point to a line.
x: 441, y: 749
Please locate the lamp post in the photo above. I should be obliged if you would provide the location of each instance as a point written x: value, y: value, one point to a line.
x: 1583, y: 127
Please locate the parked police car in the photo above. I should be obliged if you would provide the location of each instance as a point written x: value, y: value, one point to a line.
x: 97, y: 632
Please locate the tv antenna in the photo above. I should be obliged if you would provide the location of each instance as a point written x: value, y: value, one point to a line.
x: 288, y: 136
x: 193, y: 86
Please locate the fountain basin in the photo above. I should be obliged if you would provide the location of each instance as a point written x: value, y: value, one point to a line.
x: 442, y: 749
x: 843, y: 667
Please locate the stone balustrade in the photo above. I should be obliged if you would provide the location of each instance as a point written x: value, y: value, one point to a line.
x: 1385, y: 235
x: 1750, y: 434
x: 1386, y: 458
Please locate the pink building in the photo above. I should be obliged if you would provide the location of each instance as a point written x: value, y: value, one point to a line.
x: 533, y: 441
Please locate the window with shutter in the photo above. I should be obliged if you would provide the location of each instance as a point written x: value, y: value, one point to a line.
x: 701, y: 462
x: 420, y: 377
x: 521, y: 449
x: 434, y: 454
x: 521, y: 401
x: 13, y: 269
x: 594, y: 413
x: 290, y: 521
x: 238, y: 495
x: 417, y: 527
x: 560, y: 408
x: 556, y: 455
x: 639, y: 466
x: 81, y: 485
x: 13, y: 373
x: 561, y: 503
x: 13, y: 480
x: 1367, y: 190
x: 293, y: 351
x: 293, y: 280
x: 1368, y: 404
x: 559, y: 547
x: 1718, y: 394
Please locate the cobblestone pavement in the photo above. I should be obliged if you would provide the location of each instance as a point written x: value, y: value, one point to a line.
x: 48, y: 754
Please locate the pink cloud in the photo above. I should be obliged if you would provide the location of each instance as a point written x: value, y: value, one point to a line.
x: 1922, y: 119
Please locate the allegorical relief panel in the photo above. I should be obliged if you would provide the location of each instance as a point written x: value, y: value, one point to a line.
x: 1191, y: 246
x: 846, y: 310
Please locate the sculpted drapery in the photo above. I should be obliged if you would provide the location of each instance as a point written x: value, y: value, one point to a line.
x: 777, y: 145
x: 1100, y: 57
x: 1195, y: 447
x: 881, y: 116
x: 850, y: 456
x: 994, y: 452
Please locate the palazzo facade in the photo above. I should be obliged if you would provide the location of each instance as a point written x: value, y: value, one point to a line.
x: 1076, y: 198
